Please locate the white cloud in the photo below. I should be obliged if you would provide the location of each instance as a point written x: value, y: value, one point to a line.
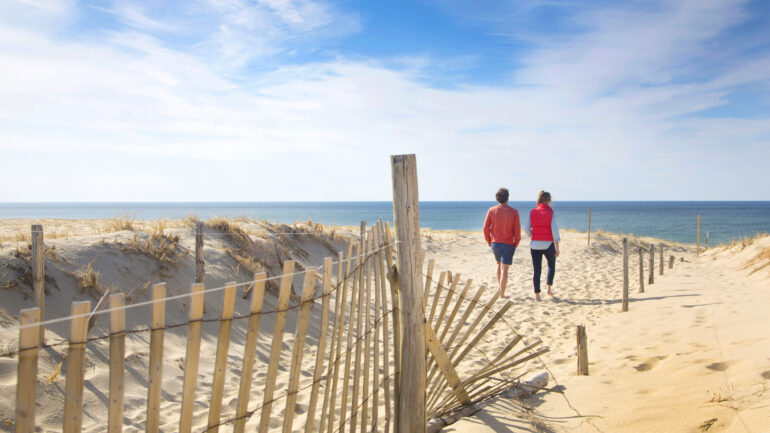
x: 618, y: 99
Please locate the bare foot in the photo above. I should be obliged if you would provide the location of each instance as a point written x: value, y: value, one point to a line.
x: 537, y: 296
x: 503, y: 295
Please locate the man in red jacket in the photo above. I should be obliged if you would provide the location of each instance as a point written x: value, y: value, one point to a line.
x: 502, y: 231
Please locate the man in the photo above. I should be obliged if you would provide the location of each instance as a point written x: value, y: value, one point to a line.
x: 502, y: 230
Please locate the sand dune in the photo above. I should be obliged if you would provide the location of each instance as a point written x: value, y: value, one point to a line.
x: 690, y: 355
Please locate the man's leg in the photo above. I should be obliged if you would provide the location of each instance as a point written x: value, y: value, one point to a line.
x: 499, y: 270
x: 503, y: 279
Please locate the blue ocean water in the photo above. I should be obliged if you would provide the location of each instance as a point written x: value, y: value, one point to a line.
x: 676, y: 221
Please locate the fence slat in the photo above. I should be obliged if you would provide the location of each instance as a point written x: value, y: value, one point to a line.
x: 447, y: 301
x: 73, y: 394
x: 26, y: 376
x: 299, y: 350
x: 384, y: 307
x: 641, y: 270
x: 376, y: 349
x: 321, y: 350
x: 428, y: 281
x: 439, y: 287
x: 156, y: 357
x: 351, y: 332
x: 275, y: 350
x: 456, y: 308
x: 442, y: 360
x: 192, y: 358
x: 250, y: 351
x: 330, y: 398
x: 117, y: 362
x: 359, y: 330
x: 397, y: 331
x: 624, y: 304
x: 220, y: 363
x: 367, y: 330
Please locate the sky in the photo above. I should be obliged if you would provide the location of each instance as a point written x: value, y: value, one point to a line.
x: 305, y: 100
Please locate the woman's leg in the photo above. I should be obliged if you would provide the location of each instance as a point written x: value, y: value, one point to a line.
x: 550, y: 257
x: 537, y: 264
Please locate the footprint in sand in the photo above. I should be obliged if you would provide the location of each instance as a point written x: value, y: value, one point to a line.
x: 765, y: 375
x: 719, y: 366
x: 649, y: 363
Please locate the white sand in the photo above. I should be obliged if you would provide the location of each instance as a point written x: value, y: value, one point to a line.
x: 697, y: 336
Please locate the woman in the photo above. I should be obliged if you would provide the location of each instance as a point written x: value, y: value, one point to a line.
x: 545, y: 240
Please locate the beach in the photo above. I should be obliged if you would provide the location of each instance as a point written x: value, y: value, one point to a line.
x: 690, y: 354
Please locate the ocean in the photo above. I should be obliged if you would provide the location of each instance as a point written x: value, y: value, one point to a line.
x: 676, y: 221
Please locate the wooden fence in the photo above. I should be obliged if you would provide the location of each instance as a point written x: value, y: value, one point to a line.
x: 360, y: 367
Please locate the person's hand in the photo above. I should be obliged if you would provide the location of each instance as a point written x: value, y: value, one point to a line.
x: 557, y: 252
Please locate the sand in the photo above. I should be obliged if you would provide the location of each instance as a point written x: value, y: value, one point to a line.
x: 690, y: 355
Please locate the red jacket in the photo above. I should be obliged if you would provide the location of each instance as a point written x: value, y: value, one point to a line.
x: 540, y: 220
x: 502, y: 225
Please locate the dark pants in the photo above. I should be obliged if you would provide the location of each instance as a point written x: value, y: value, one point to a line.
x: 537, y: 263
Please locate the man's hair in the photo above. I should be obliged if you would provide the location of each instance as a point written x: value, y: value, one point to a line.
x: 543, y: 197
x: 502, y: 195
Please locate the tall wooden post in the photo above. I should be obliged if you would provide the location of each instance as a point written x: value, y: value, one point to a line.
x: 697, y: 253
x: 38, y: 273
x: 641, y: 270
x: 200, y: 272
x: 652, y: 265
x: 625, y: 275
x: 662, y: 259
x: 589, y: 226
x: 406, y: 213
x: 582, y: 351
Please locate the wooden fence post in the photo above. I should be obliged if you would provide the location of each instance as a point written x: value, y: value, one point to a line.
x: 651, y: 280
x: 220, y: 362
x: 38, y: 273
x: 406, y: 213
x: 200, y: 272
x: 671, y: 262
x: 589, y: 226
x: 697, y: 253
x: 26, y: 379
x: 192, y: 358
x: 582, y: 349
x: 641, y: 270
x: 156, y: 357
x: 76, y: 356
x: 662, y: 259
x: 625, y: 275
x: 117, y: 362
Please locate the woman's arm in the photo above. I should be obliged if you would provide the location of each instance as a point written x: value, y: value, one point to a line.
x: 555, y: 233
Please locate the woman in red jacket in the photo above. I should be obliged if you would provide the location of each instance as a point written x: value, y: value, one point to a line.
x: 544, y: 231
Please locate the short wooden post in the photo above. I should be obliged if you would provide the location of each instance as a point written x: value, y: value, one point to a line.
x: 192, y: 358
x: 651, y: 280
x: 299, y: 350
x: 406, y: 213
x: 200, y: 272
x: 250, y: 352
x: 76, y: 356
x: 26, y: 376
x: 275, y: 348
x: 321, y: 350
x: 38, y: 273
x: 582, y: 351
x: 641, y: 270
x: 625, y: 275
x: 220, y: 362
x: 671, y: 262
x: 117, y: 362
x: 589, y: 226
x: 662, y: 259
x: 156, y: 357
x: 697, y: 253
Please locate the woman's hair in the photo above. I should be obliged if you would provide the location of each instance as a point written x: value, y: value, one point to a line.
x: 543, y: 197
x: 502, y: 195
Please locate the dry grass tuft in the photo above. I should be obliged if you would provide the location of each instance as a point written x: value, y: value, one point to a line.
x: 55, y: 373
x: 121, y: 223
x: 721, y: 395
x: 89, y: 279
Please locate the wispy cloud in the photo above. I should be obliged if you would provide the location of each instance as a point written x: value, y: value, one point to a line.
x: 622, y: 97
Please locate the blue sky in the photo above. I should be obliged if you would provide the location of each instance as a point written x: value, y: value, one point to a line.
x: 210, y: 100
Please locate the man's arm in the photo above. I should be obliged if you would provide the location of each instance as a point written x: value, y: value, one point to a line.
x: 516, y: 230
x: 487, y: 234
